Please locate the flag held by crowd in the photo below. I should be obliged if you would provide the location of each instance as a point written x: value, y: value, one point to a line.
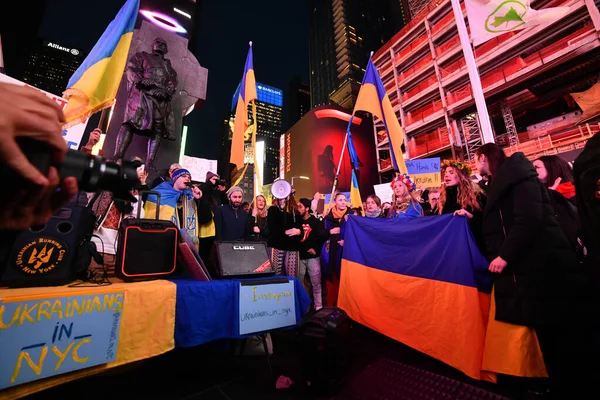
x: 373, y: 98
x: 246, y: 94
x: 94, y: 84
x: 488, y: 19
x: 416, y: 283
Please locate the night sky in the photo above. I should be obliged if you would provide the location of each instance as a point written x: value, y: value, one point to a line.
x: 278, y: 30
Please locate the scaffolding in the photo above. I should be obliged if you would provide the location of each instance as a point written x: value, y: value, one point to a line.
x: 416, y: 6
x: 470, y: 133
x: 509, y: 122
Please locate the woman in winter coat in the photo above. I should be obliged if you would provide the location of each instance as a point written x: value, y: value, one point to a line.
x: 461, y: 196
x: 334, y: 222
x: 538, y: 282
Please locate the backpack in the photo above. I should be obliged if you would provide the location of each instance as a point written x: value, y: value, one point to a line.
x: 586, y: 172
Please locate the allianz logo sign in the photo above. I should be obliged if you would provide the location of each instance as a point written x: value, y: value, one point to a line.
x: 244, y: 248
x: 59, y: 47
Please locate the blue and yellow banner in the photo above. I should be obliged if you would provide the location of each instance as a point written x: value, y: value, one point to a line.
x: 422, y: 282
x: 42, y: 337
x: 95, y: 83
x: 373, y: 98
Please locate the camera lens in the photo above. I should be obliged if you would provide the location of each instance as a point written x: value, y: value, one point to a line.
x: 94, y: 173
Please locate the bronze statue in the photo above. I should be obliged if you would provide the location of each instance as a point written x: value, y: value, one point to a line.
x: 151, y: 86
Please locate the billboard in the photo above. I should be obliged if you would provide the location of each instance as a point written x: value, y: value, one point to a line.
x: 312, y: 148
x: 264, y: 93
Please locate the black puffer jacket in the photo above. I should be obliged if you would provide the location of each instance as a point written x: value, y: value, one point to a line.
x: 542, y: 283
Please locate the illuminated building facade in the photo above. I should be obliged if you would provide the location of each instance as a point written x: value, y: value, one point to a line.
x: 342, y: 34
x: 50, y: 65
x: 526, y: 76
x: 269, y: 113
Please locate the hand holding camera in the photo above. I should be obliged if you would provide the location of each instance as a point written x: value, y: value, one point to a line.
x: 26, y: 114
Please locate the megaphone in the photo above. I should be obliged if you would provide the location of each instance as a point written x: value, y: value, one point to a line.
x: 281, y: 189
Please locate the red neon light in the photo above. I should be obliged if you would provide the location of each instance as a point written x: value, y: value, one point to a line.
x: 337, y: 114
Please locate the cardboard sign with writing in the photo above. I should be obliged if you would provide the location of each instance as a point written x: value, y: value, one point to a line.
x: 267, y: 307
x: 425, y: 172
x: 198, y: 167
x: 384, y: 192
x: 50, y: 336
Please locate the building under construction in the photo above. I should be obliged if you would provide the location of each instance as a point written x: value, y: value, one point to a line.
x: 527, y: 78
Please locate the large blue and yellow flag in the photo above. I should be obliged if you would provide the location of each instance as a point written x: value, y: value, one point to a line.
x: 355, y: 198
x: 95, y: 83
x: 425, y: 283
x: 246, y: 94
x: 373, y: 98
x: 422, y: 282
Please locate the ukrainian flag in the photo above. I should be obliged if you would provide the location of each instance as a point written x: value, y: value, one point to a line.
x: 246, y: 94
x: 95, y: 83
x: 372, y: 98
x: 422, y: 282
x: 355, y: 198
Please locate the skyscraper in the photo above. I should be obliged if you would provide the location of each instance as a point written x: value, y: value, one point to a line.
x: 298, y: 100
x: 342, y: 34
x: 50, y: 65
x: 269, y: 113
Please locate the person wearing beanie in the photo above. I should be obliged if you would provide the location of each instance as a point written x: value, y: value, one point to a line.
x: 231, y: 222
x: 179, y: 201
x: 312, y: 238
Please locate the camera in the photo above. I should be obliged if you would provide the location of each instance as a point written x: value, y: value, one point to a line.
x: 221, y: 182
x: 93, y: 173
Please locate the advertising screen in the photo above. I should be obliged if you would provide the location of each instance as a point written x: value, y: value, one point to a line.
x: 312, y: 148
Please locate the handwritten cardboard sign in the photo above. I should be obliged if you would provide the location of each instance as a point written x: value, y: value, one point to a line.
x: 384, y: 192
x: 425, y: 172
x: 267, y: 307
x: 198, y: 167
x: 49, y: 336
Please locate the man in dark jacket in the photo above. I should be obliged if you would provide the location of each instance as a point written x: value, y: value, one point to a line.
x: 312, y: 238
x: 539, y: 283
x: 231, y: 222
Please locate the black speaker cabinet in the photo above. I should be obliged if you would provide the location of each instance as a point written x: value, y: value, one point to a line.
x: 239, y: 259
x: 51, y: 254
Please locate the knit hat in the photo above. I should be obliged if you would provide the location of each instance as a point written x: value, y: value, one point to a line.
x: 305, y: 202
x: 233, y: 190
x: 178, y: 173
x: 407, y: 180
x: 210, y: 175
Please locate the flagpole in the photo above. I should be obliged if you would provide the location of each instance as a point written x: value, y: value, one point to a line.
x: 484, y: 118
x: 335, y: 181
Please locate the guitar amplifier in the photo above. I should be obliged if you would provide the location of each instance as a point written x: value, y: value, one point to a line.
x: 146, y: 248
x: 238, y: 259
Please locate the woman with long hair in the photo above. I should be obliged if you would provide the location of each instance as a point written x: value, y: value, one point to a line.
x: 334, y: 221
x: 373, y: 207
x: 556, y: 174
x: 537, y: 280
x: 259, y: 214
x: 404, y: 204
x: 461, y: 196
x: 284, y: 225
